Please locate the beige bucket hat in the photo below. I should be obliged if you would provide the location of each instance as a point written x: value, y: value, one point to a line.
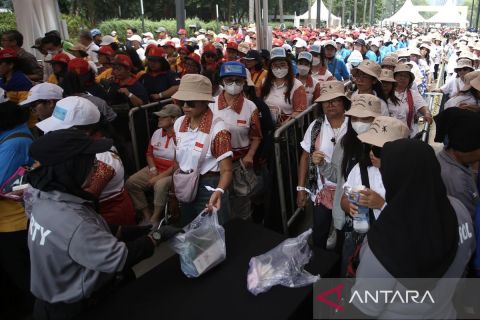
x: 390, y: 60
x: 330, y: 90
x: 369, y: 67
x: 414, y: 51
x: 194, y: 87
x: 387, y: 76
x: 169, y: 110
x: 464, y: 63
x: 404, y: 68
x: 472, y: 80
x: 365, y: 106
x: 383, y: 130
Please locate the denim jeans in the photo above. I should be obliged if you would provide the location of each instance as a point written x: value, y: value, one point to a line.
x: 190, y: 210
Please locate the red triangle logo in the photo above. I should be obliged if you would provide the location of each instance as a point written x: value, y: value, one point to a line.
x: 338, y: 290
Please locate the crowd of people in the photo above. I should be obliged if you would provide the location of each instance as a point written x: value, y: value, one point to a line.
x: 84, y: 215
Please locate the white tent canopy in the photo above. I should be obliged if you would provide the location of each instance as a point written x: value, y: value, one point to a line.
x: 335, y: 21
x: 448, y: 15
x: 407, y: 13
x: 36, y: 17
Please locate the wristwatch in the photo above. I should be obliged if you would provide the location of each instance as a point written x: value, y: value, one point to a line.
x: 156, y: 235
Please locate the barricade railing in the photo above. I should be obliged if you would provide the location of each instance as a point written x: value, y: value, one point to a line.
x: 142, y: 124
x: 287, y: 154
x: 434, y: 103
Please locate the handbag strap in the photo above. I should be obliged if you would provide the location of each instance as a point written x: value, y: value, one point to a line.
x: 410, y: 108
x: 16, y: 135
x: 366, y: 183
x: 208, y: 140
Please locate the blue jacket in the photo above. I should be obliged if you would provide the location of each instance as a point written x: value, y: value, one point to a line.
x: 340, y: 71
x: 14, y: 152
x: 370, y: 55
x: 343, y: 53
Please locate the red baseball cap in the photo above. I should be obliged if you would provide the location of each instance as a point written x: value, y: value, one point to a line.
x: 156, y: 52
x: 209, y: 48
x: 232, y: 45
x: 277, y: 42
x: 61, y: 57
x: 106, y: 50
x: 195, y: 57
x: 79, y: 65
x: 123, y: 60
x: 182, y: 31
x: 8, y: 54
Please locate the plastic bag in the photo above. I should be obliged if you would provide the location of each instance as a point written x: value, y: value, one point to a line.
x: 283, y: 265
x: 202, y: 246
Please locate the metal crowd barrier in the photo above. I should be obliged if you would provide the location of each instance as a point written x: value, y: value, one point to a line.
x: 287, y: 154
x: 142, y: 125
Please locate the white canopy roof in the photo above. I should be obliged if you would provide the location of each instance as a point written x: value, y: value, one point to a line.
x: 407, y: 13
x: 323, y: 14
x: 448, y: 14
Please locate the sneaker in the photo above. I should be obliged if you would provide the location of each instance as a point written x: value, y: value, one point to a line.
x: 332, y: 240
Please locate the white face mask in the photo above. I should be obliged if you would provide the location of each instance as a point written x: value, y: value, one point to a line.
x: 280, y: 73
x: 360, y: 127
x: 316, y: 61
x: 233, y: 89
x: 53, y: 52
x: 303, y: 70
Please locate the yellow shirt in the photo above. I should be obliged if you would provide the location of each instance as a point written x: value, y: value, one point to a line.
x: 52, y: 79
x: 12, y: 217
x: 104, y: 75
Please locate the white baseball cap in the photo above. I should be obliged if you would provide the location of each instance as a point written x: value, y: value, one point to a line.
x: 135, y: 37
x: 107, y: 40
x: 43, y: 91
x: 69, y: 112
x: 300, y: 43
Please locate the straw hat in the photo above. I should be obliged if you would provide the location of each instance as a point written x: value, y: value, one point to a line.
x: 365, y: 106
x: 469, y: 81
x: 383, y: 130
x: 464, y: 63
x: 330, y: 90
x: 368, y: 67
x: 390, y: 61
x: 387, y: 76
x: 194, y: 87
x: 404, y: 68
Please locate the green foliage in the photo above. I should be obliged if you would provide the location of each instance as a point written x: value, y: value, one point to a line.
x: 75, y: 24
x: 121, y: 26
x: 7, y: 21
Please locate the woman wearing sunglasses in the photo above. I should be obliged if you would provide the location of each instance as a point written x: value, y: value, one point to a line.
x: 318, y: 145
x: 196, y: 130
x: 241, y: 119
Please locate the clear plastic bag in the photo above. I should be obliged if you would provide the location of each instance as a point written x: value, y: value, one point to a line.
x: 283, y: 265
x: 202, y: 246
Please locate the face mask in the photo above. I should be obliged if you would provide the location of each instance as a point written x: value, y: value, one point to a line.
x: 360, y: 127
x: 303, y: 70
x: 52, y: 52
x: 315, y: 61
x: 280, y: 73
x: 233, y: 89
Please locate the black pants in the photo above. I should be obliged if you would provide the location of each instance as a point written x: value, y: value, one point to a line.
x: 322, y: 219
x: 15, y: 266
x: 435, y: 71
x: 57, y: 311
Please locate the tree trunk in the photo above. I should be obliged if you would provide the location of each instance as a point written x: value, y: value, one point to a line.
x: 355, y: 5
x: 229, y: 11
x: 365, y: 11
x: 251, y: 11
x: 280, y: 9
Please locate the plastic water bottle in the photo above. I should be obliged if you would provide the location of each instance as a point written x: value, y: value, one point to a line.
x: 360, y: 220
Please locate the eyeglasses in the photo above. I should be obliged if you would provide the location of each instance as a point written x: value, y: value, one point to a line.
x: 377, y: 151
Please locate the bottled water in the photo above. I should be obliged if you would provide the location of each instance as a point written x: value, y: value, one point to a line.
x: 360, y: 220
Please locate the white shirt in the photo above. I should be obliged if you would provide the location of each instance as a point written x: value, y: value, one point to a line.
x: 316, y: 76
x: 400, y: 111
x: 92, y: 55
x: 190, y: 144
x: 276, y: 98
x: 453, y: 86
x: 374, y: 178
x: 237, y: 124
x: 383, y: 104
x: 466, y: 98
x: 115, y: 185
x: 141, y: 53
x: 163, y: 146
x: 324, y: 143
x: 310, y: 90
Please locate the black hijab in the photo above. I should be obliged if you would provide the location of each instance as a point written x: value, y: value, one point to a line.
x: 416, y: 236
x: 66, y: 159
